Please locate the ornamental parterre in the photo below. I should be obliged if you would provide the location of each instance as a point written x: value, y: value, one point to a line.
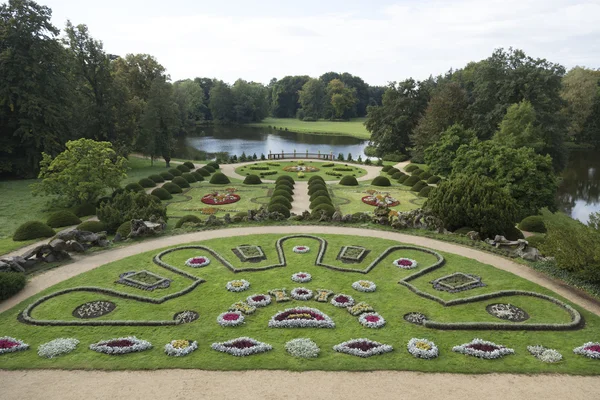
x: 545, y: 354
x: 422, y: 348
x: 197, y: 262
x: 483, y: 349
x: 360, y: 308
x: 301, y: 317
x: 405, y: 263
x: 377, y: 199
x: 507, y: 312
x: 364, y: 286
x: 219, y: 199
x: 10, y: 345
x: 362, y: 347
x: 371, y: 320
x: 322, y: 295
x: 94, y: 309
x: 144, y: 280
x: 301, y: 293
x: 230, y: 318
x: 415, y: 318
x: 122, y: 345
x: 185, y: 317
x: 302, y: 348
x: 342, y: 300
x: 180, y: 347
x: 589, y: 349
x: 57, y: 347
x: 280, y: 295
x: 457, y: 282
x: 238, y: 285
x: 301, y: 249
x: 243, y: 307
x: 242, y: 347
x: 259, y: 300
x: 301, y: 277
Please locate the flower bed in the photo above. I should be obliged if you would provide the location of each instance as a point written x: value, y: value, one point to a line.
x: 301, y: 317
x: 259, y: 300
x: 280, y: 295
x: 301, y: 249
x: 230, y: 318
x: 342, y: 300
x: 57, y: 347
x: 589, y: 349
x: 300, y: 168
x: 457, y: 282
x: 94, y: 309
x: 378, y: 199
x: 360, y: 308
x: 180, y: 347
x: 545, y: 354
x: 144, y: 280
x: 364, y: 286
x: 415, y: 318
x: 243, y: 307
x: 219, y: 199
x: 301, y: 277
x: 362, y: 347
x: 10, y: 345
x: 483, y: 349
x: 197, y: 262
x: 301, y: 293
x: 371, y: 320
x: 422, y: 348
x: 185, y: 317
x: 323, y: 295
x: 238, y: 285
x: 302, y: 348
x: 241, y: 347
x: 507, y: 312
x: 122, y: 345
x: 405, y: 263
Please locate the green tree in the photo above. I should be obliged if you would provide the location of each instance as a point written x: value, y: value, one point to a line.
x: 138, y: 71
x: 284, y: 96
x: 81, y: 173
x: 440, y: 155
x: 580, y: 89
x: 189, y: 96
x: 250, y: 101
x: 312, y: 97
x: 518, y: 128
x: 221, y: 102
x: 591, y: 131
x: 341, y: 98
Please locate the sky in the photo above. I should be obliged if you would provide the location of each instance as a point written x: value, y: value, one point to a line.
x: 379, y: 40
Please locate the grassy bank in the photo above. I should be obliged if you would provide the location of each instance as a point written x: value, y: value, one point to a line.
x: 355, y: 127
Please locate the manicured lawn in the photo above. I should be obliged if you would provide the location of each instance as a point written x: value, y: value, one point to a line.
x: 349, y: 198
x: 354, y: 127
x: 210, y: 298
x: 322, y: 171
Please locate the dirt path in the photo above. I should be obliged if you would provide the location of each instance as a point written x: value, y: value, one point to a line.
x: 402, y: 165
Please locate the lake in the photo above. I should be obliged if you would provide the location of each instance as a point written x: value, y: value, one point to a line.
x: 579, y: 192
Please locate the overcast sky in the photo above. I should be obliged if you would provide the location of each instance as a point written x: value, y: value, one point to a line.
x: 378, y: 40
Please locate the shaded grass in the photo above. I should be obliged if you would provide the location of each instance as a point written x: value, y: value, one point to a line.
x: 357, y: 171
x: 355, y: 127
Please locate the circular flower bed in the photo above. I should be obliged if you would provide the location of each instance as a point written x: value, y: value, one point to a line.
x: 219, y: 199
x: 57, y: 347
x: 122, y: 345
x: 185, y: 317
x: 364, y: 286
x: 589, y: 349
x: 301, y: 293
x: 180, y: 347
x: 94, y: 309
x: 342, y: 300
x: 300, y: 168
x: 371, y: 320
x: 302, y: 277
x: 507, y: 312
x: 405, y: 263
x: 422, y: 348
x: 197, y: 262
x: 230, y: 318
x: 415, y: 318
x: 259, y: 300
x: 378, y: 199
x: 10, y: 345
x: 303, y: 348
x: 238, y: 285
x: 301, y: 249
x: 483, y: 349
x: 544, y: 354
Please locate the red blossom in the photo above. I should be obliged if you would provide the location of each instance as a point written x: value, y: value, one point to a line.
x: 595, y: 348
x: 259, y: 298
x: 231, y: 317
x: 240, y: 344
x: 342, y: 299
x: 120, y: 343
x: 488, y: 348
x: 8, y: 344
x: 372, y: 318
x: 362, y: 345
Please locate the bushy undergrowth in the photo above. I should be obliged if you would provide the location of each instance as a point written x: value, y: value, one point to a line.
x: 127, y: 206
x: 187, y: 219
x: 92, y: 226
x: 11, y: 283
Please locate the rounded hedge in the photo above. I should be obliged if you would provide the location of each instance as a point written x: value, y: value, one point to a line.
x: 172, y: 188
x: 329, y: 210
x: 214, y: 164
x: 134, y: 187
x: 188, y: 219
x: 85, y: 209
x: 219, y: 178
x: 417, y: 172
x: 11, y: 283
x: 162, y: 193
x: 124, y: 229
x: 62, y: 218
x: 175, y: 172
x: 348, y: 180
x: 425, y: 191
x: 92, y: 226
x: 154, y: 198
x: 418, y: 186
x: 166, y: 176
x: 209, y: 168
x: 181, y: 182
x: 157, y: 178
x: 386, y: 168
x: 252, y: 180
x: 381, y: 181
x: 103, y: 200
x: 425, y: 175
x: 392, y: 171
x: 281, y: 200
x: 116, y: 192
x: 533, y: 223
x: 513, y: 233
x: 398, y: 175
x: 286, y: 183
x: 403, y: 178
x: 411, y: 181
x: 204, y: 172
x: 315, y: 188
x: 319, y: 193
x: 33, y: 230
x: 189, y: 177
x: 283, y: 193
x: 280, y: 208
x: 146, y: 183
x: 286, y: 178
x: 182, y: 168
x: 434, y: 179
x: 190, y: 165
x: 320, y: 200
x: 411, y: 167
x: 536, y: 241
x: 315, y: 178
x: 199, y: 177
x: 284, y: 187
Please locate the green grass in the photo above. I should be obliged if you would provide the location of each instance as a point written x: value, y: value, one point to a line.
x: 349, y: 198
x: 355, y: 127
x: 280, y: 165
x: 210, y: 299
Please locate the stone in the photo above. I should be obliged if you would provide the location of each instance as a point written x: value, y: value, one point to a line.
x: 9, y: 264
x: 58, y: 244
x: 347, y: 218
x: 75, y: 247
x: 117, y: 238
x: 324, y: 217
x: 336, y: 217
x: 529, y: 254
x: 473, y: 235
x: 143, y: 228
x: 227, y: 218
x: 103, y: 243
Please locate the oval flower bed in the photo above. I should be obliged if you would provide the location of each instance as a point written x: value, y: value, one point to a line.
x: 180, y: 348
x: 301, y: 249
x: 241, y: 347
x: 342, y: 300
x: 302, y: 277
x: 362, y: 347
x: 238, y: 285
x: 10, y: 345
x: 371, y: 320
x: 259, y: 300
x: 57, y: 347
x: 302, y: 348
x: 301, y: 293
x: 301, y: 317
x: 380, y: 199
x: 544, y: 354
x: 405, y: 263
x: 422, y: 348
x: 121, y: 345
x: 197, y: 262
x: 589, y: 349
x: 483, y: 349
x: 364, y: 286
x: 219, y: 199
x: 230, y: 318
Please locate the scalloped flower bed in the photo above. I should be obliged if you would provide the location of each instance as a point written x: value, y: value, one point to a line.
x: 258, y: 300
x: 362, y: 347
x: 377, y: 199
x: 301, y: 249
x: 371, y: 320
x: 545, y: 354
x: 280, y: 295
x: 301, y: 317
x: 230, y: 318
x: 122, y: 345
x: 238, y: 285
x: 342, y: 300
x: 422, y: 348
x: 360, y: 308
x: 322, y: 295
x: 301, y: 277
x: 302, y: 348
x: 589, y: 349
x: 364, y: 286
x: 301, y: 293
x: 243, y: 307
x: 57, y: 347
x: 10, y: 345
x: 197, y: 262
x: 219, y: 199
x: 180, y: 347
x: 483, y: 349
x: 405, y: 263
x: 241, y: 347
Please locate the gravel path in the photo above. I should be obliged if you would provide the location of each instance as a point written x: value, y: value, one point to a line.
x: 301, y: 200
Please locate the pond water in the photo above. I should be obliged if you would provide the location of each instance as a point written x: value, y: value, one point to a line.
x: 579, y: 192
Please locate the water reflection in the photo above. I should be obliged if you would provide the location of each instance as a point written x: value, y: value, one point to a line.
x: 579, y: 193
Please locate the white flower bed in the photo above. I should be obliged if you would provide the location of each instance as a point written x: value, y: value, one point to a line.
x: 303, y: 348
x: 230, y: 318
x: 422, y: 348
x: 544, y: 354
x: 301, y: 293
x: 10, y: 344
x: 302, y: 277
x: 477, y: 348
x: 371, y: 320
x: 301, y: 249
x: 589, y: 349
x: 136, y: 345
x: 238, y: 285
x: 405, y: 263
x: 178, y: 348
x: 57, y: 347
x: 364, y: 286
x: 301, y: 317
x: 353, y: 347
x: 263, y: 302
x: 348, y: 303
x: 190, y: 262
x: 240, y: 347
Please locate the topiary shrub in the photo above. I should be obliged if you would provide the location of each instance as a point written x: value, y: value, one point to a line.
x: 425, y: 175
x: 172, y: 188
x: 203, y: 171
x: 315, y: 188
x: 281, y: 200
x: 411, y: 181
x: 536, y: 241
x: 175, y: 172
x: 252, y: 180
x: 182, y: 168
x: 329, y: 210
x: 209, y: 168
x: 129, y: 205
x: 418, y: 186
x: 11, y: 283
x: 190, y: 165
x: 116, y: 192
x: 398, y: 175
x: 214, y: 165
x: 348, y: 181
x: 188, y: 219
x: 166, y: 176
x: 181, y: 182
x: 425, y: 191
x: 157, y: 178
x: 417, y: 172
x: 219, y: 178
x: 162, y: 193
x: 198, y: 176
x: 392, y: 171
x: 280, y: 208
x: 434, y: 179
x: 285, y: 178
x: 62, y: 218
x: 533, y: 223
x: 134, y: 187
x: 411, y: 167
x: 85, y: 209
x: 189, y: 177
x: 314, y: 178
x: 124, y: 229
x: 403, y: 178
x: 283, y: 193
x: 319, y: 193
x: 33, y: 230
x: 320, y: 200
x: 92, y: 226
x: 381, y: 181
x: 286, y: 183
x: 386, y: 168
x: 513, y: 233
x: 464, y: 230
x: 146, y: 183
x: 284, y: 187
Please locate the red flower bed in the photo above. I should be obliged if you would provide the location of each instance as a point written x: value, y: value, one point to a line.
x: 342, y: 299
x: 594, y: 347
x: 380, y: 199
x: 218, y: 199
x: 7, y: 344
x: 258, y: 298
x: 362, y: 345
x: 231, y: 317
x: 240, y: 344
x: 483, y: 347
x: 299, y: 314
x: 120, y: 343
x: 372, y: 318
